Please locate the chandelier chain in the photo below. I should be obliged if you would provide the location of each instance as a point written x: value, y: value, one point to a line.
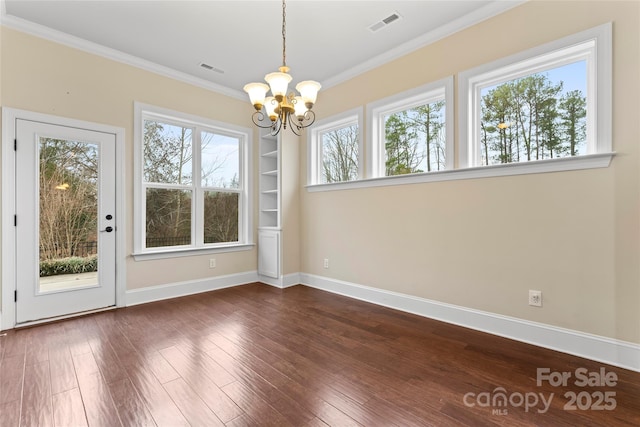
x: 284, y: 34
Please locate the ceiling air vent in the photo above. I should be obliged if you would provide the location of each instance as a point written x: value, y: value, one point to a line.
x: 211, y: 68
x: 384, y: 22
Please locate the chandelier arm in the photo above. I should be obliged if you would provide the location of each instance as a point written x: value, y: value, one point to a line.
x: 308, y: 119
x: 309, y: 115
x: 257, y: 118
x: 276, y: 126
x: 295, y: 129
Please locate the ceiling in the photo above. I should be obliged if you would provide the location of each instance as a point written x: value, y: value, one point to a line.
x: 327, y: 41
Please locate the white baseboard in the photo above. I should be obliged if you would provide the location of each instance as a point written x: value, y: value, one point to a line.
x: 282, y: 282
x: 602, y: 349
x: 271, y: 281
x: 180, y: 289
x: 291, y: 280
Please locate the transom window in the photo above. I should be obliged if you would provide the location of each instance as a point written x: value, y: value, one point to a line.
x: 336, y: 149
x: 551, y: 102
x: 546, y: 109
x: 193, y: 183
x: 415, y: 139
x: 540, y: 116
x: 411, y: 132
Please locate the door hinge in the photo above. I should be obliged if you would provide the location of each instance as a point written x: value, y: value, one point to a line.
x: 15, y: 296
x: 15, y: 220
x: 15, y: 145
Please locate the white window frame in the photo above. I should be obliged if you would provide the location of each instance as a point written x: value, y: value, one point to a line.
x: 245, y: 206
x: 377, y: 111
x: 594, y: 46
x: 314, y: 143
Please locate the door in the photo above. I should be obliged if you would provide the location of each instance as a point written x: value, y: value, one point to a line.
x: 65, y: 220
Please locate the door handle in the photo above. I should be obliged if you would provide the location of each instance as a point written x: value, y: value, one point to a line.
x: 108, y: 230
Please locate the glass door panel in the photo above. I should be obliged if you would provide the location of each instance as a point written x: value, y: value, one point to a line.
x: 68, y: 214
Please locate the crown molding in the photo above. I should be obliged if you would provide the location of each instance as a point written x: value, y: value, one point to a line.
x: 492, y: 9
x: 489, y: 11
x: 113, y: 54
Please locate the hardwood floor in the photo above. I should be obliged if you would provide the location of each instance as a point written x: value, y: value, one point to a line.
x: 255, y: 355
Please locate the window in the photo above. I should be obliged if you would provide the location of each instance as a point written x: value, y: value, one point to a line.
x: 551, y: 102
x: 542, y: 115
x: 546, y: 109
x: 336, y: 149
x: 192, y: 183
x: 411, y: 132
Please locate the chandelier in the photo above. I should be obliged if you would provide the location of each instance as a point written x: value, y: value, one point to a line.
x: 281, y: 108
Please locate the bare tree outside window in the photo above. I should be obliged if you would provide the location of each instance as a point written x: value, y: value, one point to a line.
x: 68, y: 198
x: 340, y: 155
x: 172, y: 189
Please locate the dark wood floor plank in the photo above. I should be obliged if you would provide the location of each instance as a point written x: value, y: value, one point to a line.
x: 207, y: 365
x: 37, y: 348
x: 316, y: 422
x: 68, y: 409
x: 109, y: 364
x: 254, y: 406
x: 36, y: 396
x: 76, y: 337
x: 258, y: 382
x: 14, y: 343
x: 97, y: 401
x: 11, y: 378
x: 111, y: 330
x: 162, y: 408
x: 191, y: 405
x: 242, y: 421
x: 255, y: 355
x: 63, y: 374
x: 243, y: 363
x: 131, y: 408
x: 328, y: 413
x: 332, y: 407
x: 295, y: 402
x: 162, y: 369
x: 10, y: 413
x: 192, y: 372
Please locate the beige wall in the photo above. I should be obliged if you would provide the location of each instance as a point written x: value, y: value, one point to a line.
x: 45, y: 77
x: 290, y: 196
x: 483, y: 243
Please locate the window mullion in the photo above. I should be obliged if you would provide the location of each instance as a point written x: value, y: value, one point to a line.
x: 197, y: 213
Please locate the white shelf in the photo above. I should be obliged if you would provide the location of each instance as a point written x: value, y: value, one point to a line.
x: 269, y: 232
x: 269, y: 201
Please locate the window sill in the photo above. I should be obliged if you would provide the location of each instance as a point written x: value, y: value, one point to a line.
x: 175, y: 253
x: 589, y: 161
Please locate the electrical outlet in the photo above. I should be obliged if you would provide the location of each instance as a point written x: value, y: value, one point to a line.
x: 212, y: 263
x: 535, y: 298
x: 326, y: 263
